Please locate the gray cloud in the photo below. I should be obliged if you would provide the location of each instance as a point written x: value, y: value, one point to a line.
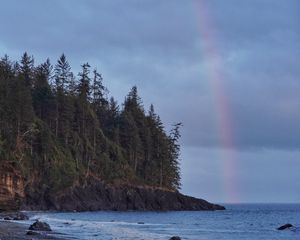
x: 260, y: 176
x: 158, y: 46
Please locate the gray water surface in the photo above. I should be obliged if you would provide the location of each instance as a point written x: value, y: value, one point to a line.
x: 239, y: 221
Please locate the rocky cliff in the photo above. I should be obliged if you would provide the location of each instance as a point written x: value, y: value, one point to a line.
x: 96, y: 195
x: 91, y: 195
x: 11, y: 188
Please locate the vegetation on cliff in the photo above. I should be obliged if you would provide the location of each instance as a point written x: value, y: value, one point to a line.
x: 59, y: 128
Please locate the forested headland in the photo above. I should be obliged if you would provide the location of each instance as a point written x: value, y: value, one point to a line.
x: 65, y: 145
x: 58, y: 127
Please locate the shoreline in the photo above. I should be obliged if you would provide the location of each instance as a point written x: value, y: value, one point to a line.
x: 246, y: 221
x: 97, y: 195
x: 10, y: 230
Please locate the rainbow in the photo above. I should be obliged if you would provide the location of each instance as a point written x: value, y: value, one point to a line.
x: 216, y: 77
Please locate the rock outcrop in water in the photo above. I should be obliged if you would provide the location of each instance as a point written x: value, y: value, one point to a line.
x: 40, y: 226
x: 96, y: 195
x: 16, y: 216
x: 285, y: 226
x: 175, y: 238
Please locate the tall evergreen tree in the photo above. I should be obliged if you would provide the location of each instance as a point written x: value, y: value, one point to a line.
x: 20, y: 101
x: 43, y: 98
x: 174, y: 149
x: 27, y: 69
x: 64, y: 106
x: 84, y: 87
x: 98, y: 90
x: 62, y: 74
x: 69, y: 130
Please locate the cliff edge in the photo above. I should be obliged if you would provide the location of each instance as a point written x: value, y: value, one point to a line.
x: 92, y: 195
x: 96, y: 195
x: 11, y: 188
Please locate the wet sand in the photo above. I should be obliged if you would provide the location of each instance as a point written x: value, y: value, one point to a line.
x: 17, y: 231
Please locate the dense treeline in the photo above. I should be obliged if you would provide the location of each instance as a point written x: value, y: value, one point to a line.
x: 59, y: 128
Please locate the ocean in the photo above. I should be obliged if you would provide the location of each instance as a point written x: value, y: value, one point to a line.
x: 239, y: 221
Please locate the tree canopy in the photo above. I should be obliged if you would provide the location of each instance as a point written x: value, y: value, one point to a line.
x: 60, y: 128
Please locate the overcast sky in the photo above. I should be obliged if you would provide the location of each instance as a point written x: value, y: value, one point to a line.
x: 195, y: 61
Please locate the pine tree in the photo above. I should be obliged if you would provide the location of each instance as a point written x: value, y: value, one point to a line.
x: 99, y: 100
x: 27, y: 69
x: 174, y: 149
x: 84, y: 88
x: 69, y: 130
x: 133, y: 125
x: 112, y: 126
x: 43, y: 98
x: 62, y: 74
x: 63, y: 112
x: 5, y: 108
x: 20, y: 101
x: 98, y: 90
x: 83, y: 116
x: 72, y: 90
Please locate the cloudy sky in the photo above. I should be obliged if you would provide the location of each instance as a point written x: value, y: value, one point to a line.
x: 228, y: 69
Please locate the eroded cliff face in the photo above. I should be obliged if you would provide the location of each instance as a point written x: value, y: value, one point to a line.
x: 95, y: 195
x: 91, y: 195
x: 11, y: 188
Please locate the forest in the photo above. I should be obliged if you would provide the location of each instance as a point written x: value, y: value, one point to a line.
x: 58, y: 128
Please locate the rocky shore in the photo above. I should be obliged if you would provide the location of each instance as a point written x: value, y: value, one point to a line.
x: 17, y: 231
x: 91, y: 194
x: 95, y: 195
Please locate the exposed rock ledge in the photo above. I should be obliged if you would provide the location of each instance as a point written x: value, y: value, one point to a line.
x: 11, y: 188
x: 96, y: 195
x: 91, y: 196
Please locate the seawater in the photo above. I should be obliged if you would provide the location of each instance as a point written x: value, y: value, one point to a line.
x: 239, y: 221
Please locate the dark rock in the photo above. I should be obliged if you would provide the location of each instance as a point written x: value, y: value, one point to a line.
x: 11, y: 187
x: 175, y: 238
x: 15, y: 216
x: 32, y: 233
x: 20, y: 216
x: 96, y: 195
x: 140, y: 223
x: 285, y: 226
x: 40, y: 226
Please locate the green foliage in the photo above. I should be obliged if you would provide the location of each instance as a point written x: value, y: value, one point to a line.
x: 67, y: 130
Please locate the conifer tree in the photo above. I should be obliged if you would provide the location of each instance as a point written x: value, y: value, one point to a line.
x: 43, y: 98
x: 99, y: 100
x: 113, y: 121
x: 27, y: 69
x: 20, y: 101
x: 98, y: 90
x: 84, y: 88
x: 68, y: 131
x: 64, y: 106
x: 174, y: 149
x: 62, y: 74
